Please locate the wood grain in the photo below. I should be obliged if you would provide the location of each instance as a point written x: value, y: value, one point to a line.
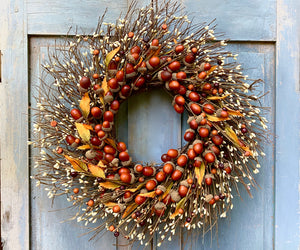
x: 14, y: 126
x: 287, y: 219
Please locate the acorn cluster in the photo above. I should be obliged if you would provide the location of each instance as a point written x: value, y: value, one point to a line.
x: 81, y: 156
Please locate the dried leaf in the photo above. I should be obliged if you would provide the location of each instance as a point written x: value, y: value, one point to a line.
x: 234, y: 112
x: 110, y: 56
x: 83, y: 132
x: 200, y: 171
x: 109, y: 185
x: 104, y: 86
x: 89, y: 127
x: 217, y: 97
x: 101, y: 164
x: 179, y: 205
x: 167, y: 190
x: 96, y: 171
x: 78, y: 165
x: 211, y: 70
x: 230, y: 133
x: 84, y: 147
x: 129, y: 209
x: 110, y: 204
x: 213, y: 118
x: 135, y: 189
x: 85, y: 105
x: 111, y: 142
x: 150, y: 194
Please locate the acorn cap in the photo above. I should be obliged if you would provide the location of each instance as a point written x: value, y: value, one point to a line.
x: 162, y: 188
x: 160, y: 205
x: 170, y: 162
x: 108, y: 98
x: 112, y: 72
x: 208, y: 197
x: 74, y: 145
x: 199, y: 118
x: 126, y: 163
x: 218, y: 112
x: 115, y: 162
x: 180, y: 169
x: 82, y: 90
x: 132, y: 178
x: 209, y: 176
x: 90, y: 154
x: 99, y: 91
x: 79, y: 120
x: 175, y: 196
x: 143, y: 191
x: 197, y: 141
x: 184, y: 183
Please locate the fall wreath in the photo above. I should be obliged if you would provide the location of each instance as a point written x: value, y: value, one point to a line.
x: 93, y: 75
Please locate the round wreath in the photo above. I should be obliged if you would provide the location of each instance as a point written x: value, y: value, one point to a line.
x: 81, y: 157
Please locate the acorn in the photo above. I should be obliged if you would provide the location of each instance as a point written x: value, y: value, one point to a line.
x: 153, y: 62
x: 85, y: 82
x: 164, y: 75
x: 139, y: 199
x: 175, y: 197
x: 208, y: 108
x: 208, y: 198
x: 209, y: 156
x: 201, y: 76
x: 179, y: 48
x: 173, y: 153
x: 160, y: 208
x: 189, y: 59
x: 182, y: 160
x: 76, y: 114
x: 107, y: 126
x: 114, y: 106
x: 112, y: 68
x: 189, y: 135
x: 149, y: 171
x: 178, y: 99
x: 108, y: 98
x: 160, y: 176
x: 203, y: 131
x: 195, y: 108
x: 154, y: 44
x: 193, y: 96
x: 183, y: 188
x: 130, y: 71
x: 90, y: 154
x: 125, y: 91
x: 142, y: 68
x: 174, y: 66
x: 191, y: 153
x: 161, y: 188
x: 138, y: 168
x: 96, y: 112
x: 217, y: 139
x: 174, y: 85
x: 168, y: 167
x: 151, y: 184
x: 177, y: 174
x: 192, y: 123
x: 138, y: 82
x: 178, y: 108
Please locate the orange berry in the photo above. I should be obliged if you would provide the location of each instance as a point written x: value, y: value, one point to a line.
x: 130, y: 34
x: 90, y: 203
x: 76, y: 190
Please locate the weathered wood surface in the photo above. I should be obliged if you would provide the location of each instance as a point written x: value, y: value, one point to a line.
x: 240, y: 20
x: 287, y: 210
x: 270, y: 220
x: 14, y: 126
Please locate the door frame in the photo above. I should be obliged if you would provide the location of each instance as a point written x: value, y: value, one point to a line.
x: 14, y: 150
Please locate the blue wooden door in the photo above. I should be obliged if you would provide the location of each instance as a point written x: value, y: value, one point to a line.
x: 266, y: 36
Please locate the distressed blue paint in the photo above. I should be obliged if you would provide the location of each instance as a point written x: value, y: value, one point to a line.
x: 240, y: 20
x: 287, y: 219
x: 47, y: 229
x: 250, y: 224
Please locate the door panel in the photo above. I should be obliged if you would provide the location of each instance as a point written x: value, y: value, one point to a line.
x: 150, y: 126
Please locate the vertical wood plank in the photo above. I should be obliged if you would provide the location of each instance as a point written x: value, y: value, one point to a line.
x: 251, y: 220
x: 287, y: 217
x: 48, y: 229
x: 13, y: 127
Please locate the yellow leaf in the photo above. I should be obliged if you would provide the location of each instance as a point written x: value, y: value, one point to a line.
x: 135, y: 189
x: 100, y: 164
x: 217, y: 97
x: 111, y: 142
x: 89, y: 127
x: 78, y: 165
x: 110, y: 204
x: 109, y: 185
x: 175, y: 41
x: 85, y: 105
x: 167, y: 190
x: 235, y: 139
x: 211, y: 70
x: 84, y: 147
x: 96, y: 171
x: 104, y: 86
x: 110, y: 56
x: 234, y: 112
x: 129, y: 209
x: 83, y: 132
x: 200, y: 171
x: 150, y: 194
x: 179, y: 205
x: 213, y: 118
